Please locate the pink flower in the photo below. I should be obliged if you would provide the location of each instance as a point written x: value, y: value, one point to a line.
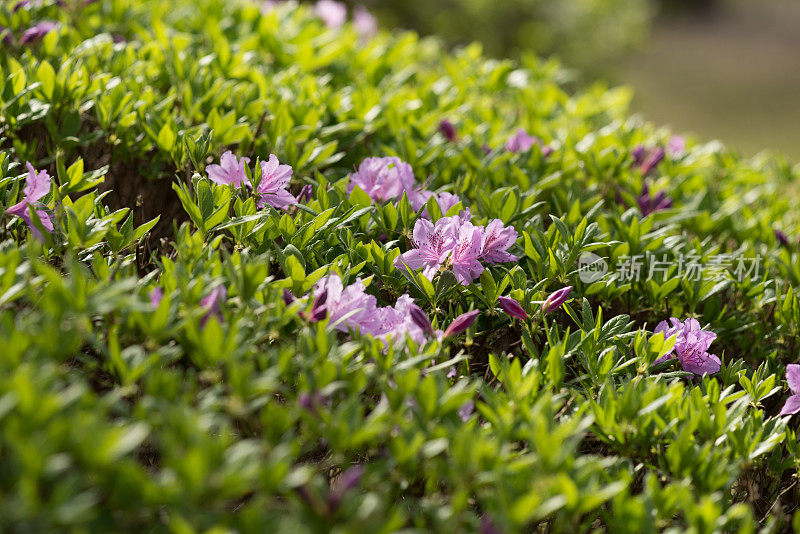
x: 332, y: 13
x: 448, y: 130
x: 155, y: 297
x: 467, y: 252
x: 364, y: 22
x: 397, y: 322
x: 383, y: 178
x: 512, y: 308
x: 37, y: 186
x: 37, y: 31
x: 272, y: 187
x: 691, y: 346
x: 419, y: 198
x: 433, y: 244
x: 212, y: 303
x: 520, y: 141
x: 347, y: 308
x: 229, y: 171
x: 676, y: 146
x: 496, y: 241
x: 461, y: 323
x: 555, y: 300
x: 792, y: 405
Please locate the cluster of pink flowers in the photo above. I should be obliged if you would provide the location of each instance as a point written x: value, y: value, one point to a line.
x: 385, y: 179
x: 334, y: 15
x: 454, y: 242
x: 37, y: 187
x: 271, y: 189
x: 351, y: 308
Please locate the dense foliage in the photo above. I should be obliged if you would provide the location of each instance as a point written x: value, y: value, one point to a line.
x: 170, y: 359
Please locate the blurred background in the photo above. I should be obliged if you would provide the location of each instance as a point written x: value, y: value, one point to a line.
x: 721, y: 69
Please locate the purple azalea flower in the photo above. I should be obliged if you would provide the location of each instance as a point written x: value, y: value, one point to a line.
x: 332, y: 13
x: 676, y: 146
x: 448, y: 130
x: 364, y: 22
x: 419, y: 198
x: 37, y: 31
x: 467, y: 251
x: 288, y: 298
x: 421, y: 319
x: 520, y: 141
x: 652, y: 160
x: 433, y: 244
x: 512, y: 308
x: 155, y: 297
x: 272, y: 187
x: 638, y: 153
x: 397, y: 322
x: 691, y: 346
x: 346, y: 482
x: 466, y: 410
x: 229, y: 171
x: 383, y: 178
x: 556, y: 299
x: 488, y: 526
x: 792, y: 405
x: 311, y: 402
x: 5, y: 36
x: 650, y: 204
x: 347, y: 308
x: 461, y: 323
x: 306, y: 193
x: 212, y: 303
x: 37, y: 186
x: 782, y: 238
x: 496, y: 241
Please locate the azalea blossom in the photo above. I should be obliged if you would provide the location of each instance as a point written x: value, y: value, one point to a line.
x: 512, y: 308
x: 37, y: 31
x: 691, y: 346
x: 433, y: 244
x: 467, y: 252
x: 448, y: 130
x: 782, y: 238
x: 397, y: 322
x: 676, y: 146
x: 650, y: 204
x: 497, y: 239
x: 332, y: 13
x: 556, y: 299
x: 647, y: 160
x: 349, y: 308
x: 383, y: 178
x: 792, y: 405
x: 271, y: 189
x: 461, y: 323
x: 212, y: 303
x: 364, y: 22
x: 306, y: 193
x: 156, y: 295
x: 37, y: 186
x: 420, y: 197
x: 229, y: 171
x: 521, y: 141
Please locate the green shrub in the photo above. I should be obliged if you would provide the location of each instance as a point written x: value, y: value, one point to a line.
x: 228, y: 406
